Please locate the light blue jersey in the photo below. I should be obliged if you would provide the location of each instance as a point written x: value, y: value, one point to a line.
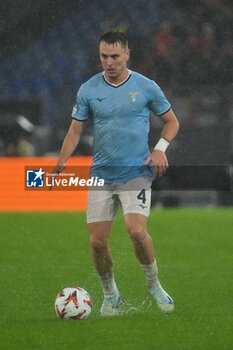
x: 120, y: 124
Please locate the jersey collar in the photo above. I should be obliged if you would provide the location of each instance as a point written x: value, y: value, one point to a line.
x: 117, y: 85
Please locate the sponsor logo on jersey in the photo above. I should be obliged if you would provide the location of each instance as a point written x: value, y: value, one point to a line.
x: 100, y: 99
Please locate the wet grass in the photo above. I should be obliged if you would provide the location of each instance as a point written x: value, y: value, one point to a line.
x: 42, y: 253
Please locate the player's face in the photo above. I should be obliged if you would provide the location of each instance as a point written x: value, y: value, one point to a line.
x: 113, y: 58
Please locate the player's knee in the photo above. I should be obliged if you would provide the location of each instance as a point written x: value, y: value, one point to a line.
x: 137, y: 233
x: 97, y: 242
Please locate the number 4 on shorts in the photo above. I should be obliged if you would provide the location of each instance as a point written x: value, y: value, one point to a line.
x: 142, y: 196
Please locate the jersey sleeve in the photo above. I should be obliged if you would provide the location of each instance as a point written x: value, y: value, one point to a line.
x: 158, y: 103
x: 81, y: 107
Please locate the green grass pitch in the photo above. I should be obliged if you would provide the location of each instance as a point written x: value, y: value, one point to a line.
x: 42, y: 253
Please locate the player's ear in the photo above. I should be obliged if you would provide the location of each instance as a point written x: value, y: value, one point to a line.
x: 127, y: 54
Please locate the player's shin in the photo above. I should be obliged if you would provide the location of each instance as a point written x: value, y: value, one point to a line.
x: 102, y: 259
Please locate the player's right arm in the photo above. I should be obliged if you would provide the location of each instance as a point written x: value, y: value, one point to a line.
x: 69, y: 144
x: 79, y: 114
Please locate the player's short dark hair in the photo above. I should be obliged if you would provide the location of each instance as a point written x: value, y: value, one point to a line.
x: 112, y: 37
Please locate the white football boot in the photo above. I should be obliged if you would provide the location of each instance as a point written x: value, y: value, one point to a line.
x: 162, y: 299
x: 110, y: 305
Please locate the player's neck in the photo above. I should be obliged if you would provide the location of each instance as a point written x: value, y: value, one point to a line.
x: 119, y: 80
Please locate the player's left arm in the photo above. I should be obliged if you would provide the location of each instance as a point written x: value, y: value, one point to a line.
x: 158, y: 156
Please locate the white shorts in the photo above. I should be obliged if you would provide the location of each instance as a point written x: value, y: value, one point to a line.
x: 133, y: 196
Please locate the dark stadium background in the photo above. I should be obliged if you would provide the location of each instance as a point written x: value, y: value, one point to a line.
x: 48, y: 48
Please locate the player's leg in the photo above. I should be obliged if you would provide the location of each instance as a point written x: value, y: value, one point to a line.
x: 142, y: 242
x: 99, y: 234
x: 136, y: 206
x: 135, y: 197
x: 101, y: 210
x: 143, y: 247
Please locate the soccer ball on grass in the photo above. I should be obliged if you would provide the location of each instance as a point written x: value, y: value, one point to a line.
x: 73, y: 303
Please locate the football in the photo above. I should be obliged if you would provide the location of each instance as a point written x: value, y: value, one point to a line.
x: 73, y: 303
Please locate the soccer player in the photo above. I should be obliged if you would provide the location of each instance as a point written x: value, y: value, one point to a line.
x: 119, y: 101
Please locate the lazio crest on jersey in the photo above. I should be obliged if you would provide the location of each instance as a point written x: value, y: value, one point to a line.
x: 133, y: 96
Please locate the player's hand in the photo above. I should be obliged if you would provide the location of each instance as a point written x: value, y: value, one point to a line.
x: 160, y: 163
x: 57, y: 170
